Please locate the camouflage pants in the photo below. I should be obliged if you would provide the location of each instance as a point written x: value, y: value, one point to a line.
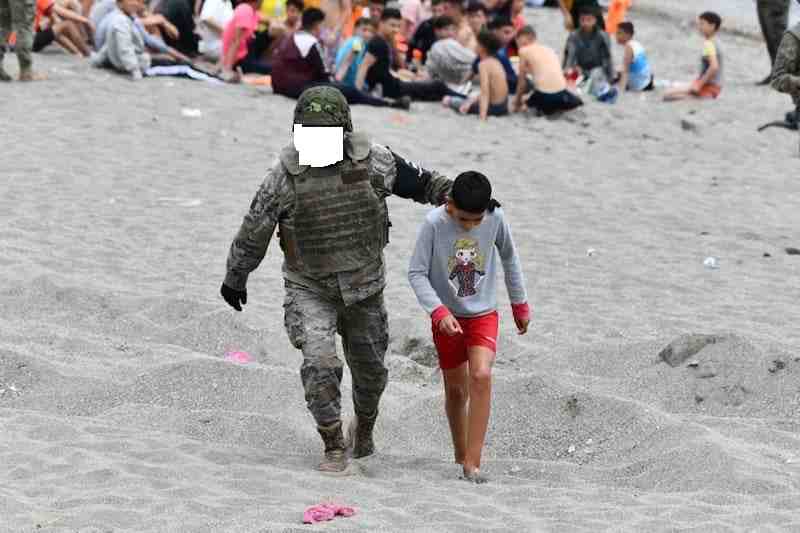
x: 773, y: 16
x: 17, y: 15
x: 312, y: 321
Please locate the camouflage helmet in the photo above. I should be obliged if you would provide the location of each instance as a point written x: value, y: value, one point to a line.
x: 323, y: 106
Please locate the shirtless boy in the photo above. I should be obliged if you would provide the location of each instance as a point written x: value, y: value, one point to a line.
x: 550, y: 94
x: 493, y: 97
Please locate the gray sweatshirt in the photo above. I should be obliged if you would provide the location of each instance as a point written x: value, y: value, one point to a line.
x: 458, y: 269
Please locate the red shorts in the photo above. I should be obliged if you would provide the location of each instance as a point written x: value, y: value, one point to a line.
x: 709, y: 90
x: 478, y: 331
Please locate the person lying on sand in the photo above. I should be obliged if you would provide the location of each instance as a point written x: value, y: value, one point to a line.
x: 709, y: 83
x: 453, y: 274
x: 550, y: 94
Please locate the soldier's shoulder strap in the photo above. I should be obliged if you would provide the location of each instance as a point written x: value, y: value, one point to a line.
x: 290, y: 159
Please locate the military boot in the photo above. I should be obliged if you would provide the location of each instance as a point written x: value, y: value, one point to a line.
x: 335, y: 459
x: 360, y: 436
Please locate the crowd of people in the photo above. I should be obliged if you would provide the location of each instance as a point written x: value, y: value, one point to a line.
x: 480, y: 57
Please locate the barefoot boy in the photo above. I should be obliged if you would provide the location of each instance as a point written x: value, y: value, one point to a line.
x: 550, y: 94
x: 493, y: 97
x: 453, y: 273
x: 709, y: 83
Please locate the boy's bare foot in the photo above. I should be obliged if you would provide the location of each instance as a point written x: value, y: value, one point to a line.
x: 4, y: 76
x: 474, y: 476
x: 29, y: 75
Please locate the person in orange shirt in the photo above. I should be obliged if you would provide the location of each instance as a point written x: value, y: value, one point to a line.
x: 61, y: 26
x: 617, y: 9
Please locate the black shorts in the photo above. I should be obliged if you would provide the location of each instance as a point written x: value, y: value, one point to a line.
x: 549, y: 103
x: 42, y: 39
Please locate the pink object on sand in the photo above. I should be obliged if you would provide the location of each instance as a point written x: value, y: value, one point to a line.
x: 238, y: 357
x: 326, y: 511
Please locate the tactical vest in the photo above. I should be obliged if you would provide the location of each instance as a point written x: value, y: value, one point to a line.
x: 340, y: 223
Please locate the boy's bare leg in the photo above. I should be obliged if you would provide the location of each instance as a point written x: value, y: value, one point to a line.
x: 677, y: 93
x: 480, y: 399
x: 73, y: 33
x: 61, y: 31
x: 456, y: 393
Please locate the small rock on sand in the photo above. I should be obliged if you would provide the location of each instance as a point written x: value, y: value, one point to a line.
x: 793, y: 251
x: 685, y: 346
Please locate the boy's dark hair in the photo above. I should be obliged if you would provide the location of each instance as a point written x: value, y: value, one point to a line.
x: 472, y: 192
x: 296, y: 3
x: 712, y: 18
x: 436, y: 2
x: 596, y: 11
x: 527, y: 30
x: 474, y: 7
x: 364, y: 21
x: 381, y: 2
x: 499, y: 22
x: 456, y: 3
x: 440, y: 23
x: 626, y: 28
x: 311, y: 17
x: 391, y: 13
x: 489, y: 41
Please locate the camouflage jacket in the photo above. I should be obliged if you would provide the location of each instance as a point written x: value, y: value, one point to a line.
x: 786, y: 72
x: 274, y: 203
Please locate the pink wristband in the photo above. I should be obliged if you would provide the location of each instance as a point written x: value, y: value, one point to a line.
x: 438, y: 314
x: 521, y: 311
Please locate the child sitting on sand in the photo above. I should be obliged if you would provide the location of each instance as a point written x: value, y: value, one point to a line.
x: 453, y: 273
x: 589, y: 54
x: 550, y: 94
x: 351, y: 53
x: 493, y: 97
x: 54, y: 22
x: 709, y: 83
x: 636, y: 74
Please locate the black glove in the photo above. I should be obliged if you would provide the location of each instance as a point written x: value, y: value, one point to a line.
x: 233, y: 297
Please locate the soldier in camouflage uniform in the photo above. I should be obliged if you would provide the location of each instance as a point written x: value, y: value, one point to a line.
x: 333, y: 225
x: 786, y: 72
x: 18, y: 15
x: 773, y: 17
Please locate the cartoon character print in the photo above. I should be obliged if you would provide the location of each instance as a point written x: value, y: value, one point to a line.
x: 466, y: 267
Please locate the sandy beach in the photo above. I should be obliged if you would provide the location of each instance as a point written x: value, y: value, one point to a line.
x: 118, y: 411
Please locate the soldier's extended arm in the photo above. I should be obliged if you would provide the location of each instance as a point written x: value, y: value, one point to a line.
x: 783, y: 78
x: 416, y: 183
x: 251, y: 242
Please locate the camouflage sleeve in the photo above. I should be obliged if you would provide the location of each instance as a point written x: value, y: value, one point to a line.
x: 784, y: 76
x: 251, y: 242
x: 409, y: 180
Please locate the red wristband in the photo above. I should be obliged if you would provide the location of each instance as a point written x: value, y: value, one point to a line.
x: 438, y: 314
x: 521, y: 311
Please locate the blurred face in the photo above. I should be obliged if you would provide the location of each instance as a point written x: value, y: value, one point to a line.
x: 375, y: 10
x: 622, y: 37
x: 476, y: 20
x: 131, y: 7
x: 525, y: 40
x: 705, y: 27
x: 587, y: 22
x: 438, y: 9
x: 448, y: 32
x: 366, y: 32
x: 517, y: 6
x: 465, y: 219
x: 316, y: 30
x: 505, y: 34
x: 390, y: 28
x: 292, y: 14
